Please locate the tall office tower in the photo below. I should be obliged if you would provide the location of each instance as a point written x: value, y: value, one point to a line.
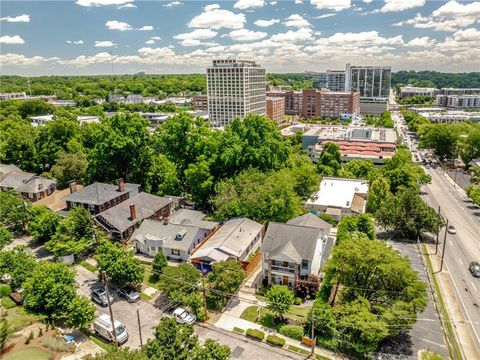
x: 373, y: 82
x: 235, y: 88
x: 336, y: 80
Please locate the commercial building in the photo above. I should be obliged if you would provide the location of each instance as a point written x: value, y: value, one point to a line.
x: 451, y: 116
x: 293, y: 100
x: 409, y: 91
x: 372, y: 82
x: 276, y: 109
x: 235, y: 88
x: 339, y: 197
x: 460, y: 91
x: 466, y: 101
x: 329, y: 104
x: 43, y: 119
x: 200, y: 102
x: 332, y: 79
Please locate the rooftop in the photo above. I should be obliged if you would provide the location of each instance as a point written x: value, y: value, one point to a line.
x: 311, y: 220
x: 326, y: 132
x: 99, y: 193
x: 336, y: 192
x: 192, y: 217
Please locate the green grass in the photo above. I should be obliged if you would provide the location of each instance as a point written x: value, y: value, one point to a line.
x: 105, y: 346
x: 88, y: 266
x: 19, y: 318
x: 321, y: 357
x: 145, y: 296
x: 8, y: 303
x: 453, y: 346
x: 298, y: 313
x: 238, y: 330
x: 429, y: 355
x: 298, y: 350
x: 149, y: 278
x: 261, y: 298
x: 29, y: 353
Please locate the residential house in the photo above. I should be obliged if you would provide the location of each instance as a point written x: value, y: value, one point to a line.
x: 98, y: 197
x: 339, y: 197
x: 176, y: 236
x: 121, y: 220
x: 237, y: 239
x: 28, y: 185
x: 294, y: 250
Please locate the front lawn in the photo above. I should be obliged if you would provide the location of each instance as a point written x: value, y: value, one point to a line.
x: 29, y: 353
x: 298, y: 313
x: 149, y: 279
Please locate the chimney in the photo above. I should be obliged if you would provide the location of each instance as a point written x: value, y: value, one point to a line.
x: 40, y: 186
x: 121, y: 185
x: 133, y: 212
x: 72, y: 186
x: 166, y: 220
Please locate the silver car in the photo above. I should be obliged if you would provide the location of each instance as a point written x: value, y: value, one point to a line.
x: 182, y: 316
x: 129, y: 293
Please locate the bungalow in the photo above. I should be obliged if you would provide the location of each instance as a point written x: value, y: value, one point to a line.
x: 294, y: 250
x: 28, y: 185
x: 98, y: 197
x: 236, y: 239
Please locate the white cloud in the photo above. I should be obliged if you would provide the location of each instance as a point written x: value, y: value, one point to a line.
x: 246, y: 4
x: 89, y: 3
x: 127, y: 6
x: 195, y: 42
x: 400, y: 5
x: 83, y: 60
x: 215, y: 18
x: 298, y: 2
x: 266, y: 23
x: 467, y: 35
x: 297, y: 21
x: 15, y: 39
x: 21, y: 60
x: 273, y: 3
x: 324, y: 16
x: 198, y: 34
x: 14, y: 19
x: 75, y: 42
x: 150, y: 42
x: 362, y: 38
x: 336, y: 5
x: 422, y: 42
x: 173, y: 4
x: 104, y: 44
x: 299, y: 35
x: 118, y: 25
x: 156, y: 38
x: 247, y: 35
x: 146, y: 28
x: 453, y: 9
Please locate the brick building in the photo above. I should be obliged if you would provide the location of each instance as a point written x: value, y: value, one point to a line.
x: 276, y: 109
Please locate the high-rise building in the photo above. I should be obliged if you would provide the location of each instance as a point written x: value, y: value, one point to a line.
x: 276, y: 108
x: 373, y: 82
x: 235, y: 88
x: 330, y: 104
x: 200, y: 102
x: 332, y: 79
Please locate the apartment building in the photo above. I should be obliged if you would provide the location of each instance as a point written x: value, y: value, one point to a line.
x: 372, y: 82
x: 332, y: 79
x: 293, y: 100
x: 409, y: 91
x: 276, y: 109
x: 235, y: 88
x: 200, y: 102
x: 465, y: 101
x: 329, y: 104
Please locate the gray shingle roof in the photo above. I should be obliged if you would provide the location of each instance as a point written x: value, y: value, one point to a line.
x: 6, y: 168
x: 311, y: 220
x: 99, y: 193
x: 36, y: 184
x: 146, y: 205
x: 15, y: 179
x: 192, y: 217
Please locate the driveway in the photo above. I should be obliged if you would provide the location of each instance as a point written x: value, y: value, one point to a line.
x: 123, y: 311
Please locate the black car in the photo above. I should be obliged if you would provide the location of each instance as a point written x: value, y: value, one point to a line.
x: 99, y: 295
x: 474, y: 268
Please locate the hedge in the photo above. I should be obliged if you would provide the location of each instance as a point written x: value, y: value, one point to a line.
x: 8, y: 303
x: 5, y: 290
x: 292, y: 331
x: 275, y: 340
x: 256, y: 334
x: 298, y: 301
x: 238, y: 330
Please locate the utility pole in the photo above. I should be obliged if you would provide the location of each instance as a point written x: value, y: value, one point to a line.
x: 105, y: 280
x: 204, y: 291
x: 444, y: 244
x: 438, y: 234
x: 139, y: 329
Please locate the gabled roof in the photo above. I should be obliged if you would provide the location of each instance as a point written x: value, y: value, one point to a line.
x: 15, y: 179
x: 35, y: 184
x: 311, y: 220
x: 6, y: 168
x: 294, y: 241
x: 146, y: 205
x: 99, y: 193
x: 192, y: 217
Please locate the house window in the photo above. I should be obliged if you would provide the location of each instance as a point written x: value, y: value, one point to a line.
x: 153, y: 249
x: 175, y: 252
x: 304, y: 264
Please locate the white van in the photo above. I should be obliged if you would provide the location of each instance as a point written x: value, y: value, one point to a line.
x: 103, y: 327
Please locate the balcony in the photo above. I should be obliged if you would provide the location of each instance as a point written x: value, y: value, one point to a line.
x: 291, y: 270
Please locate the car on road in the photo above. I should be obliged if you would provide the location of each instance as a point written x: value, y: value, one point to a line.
x: 129, y: 293
x: 474, y: 268
x: 99, y: 295
x: 182, y: 316
x: 451, y: 229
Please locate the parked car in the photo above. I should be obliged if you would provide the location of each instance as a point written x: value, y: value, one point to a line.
x: 99, y: 295
x: 451, y: 229
x: 474, y: 269
x: 103, y: 327
x: 182, y: 316
x: 129, y: 293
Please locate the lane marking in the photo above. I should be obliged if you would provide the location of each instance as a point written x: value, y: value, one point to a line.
x: 474, y: 286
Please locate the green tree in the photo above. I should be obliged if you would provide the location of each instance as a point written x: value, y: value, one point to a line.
x: 475, y: 173
x: 5, y: 330
x: 224, y: 279
x: 34, y: 107
x: 42, y: 222
x: 18, y: 263
x: 13, y: 210
x: 330, y: 160
x: 322, y: 317
x: 402, y: 172
x: 356, y: 224
x: 473, y: 193
x: 17, y: 143
x: 280, y: 299
x: 200, y: 181
x: 159, y: 262
x: 119, y: 353
x: 5, y: 237
x: 471, y: 149
x: 80, y: 312
x: 121, y: 265
x: 177, y: 282
x: 211, y: 350
x: 162, y: 177
x: 301, y: 168
x: 378, y: 193
x: 439, y: 137
x: 408, y: 215
x: 69, y: 167
x: 359, y: 169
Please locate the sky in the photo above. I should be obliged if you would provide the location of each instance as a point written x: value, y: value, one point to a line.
x: 81, y: 37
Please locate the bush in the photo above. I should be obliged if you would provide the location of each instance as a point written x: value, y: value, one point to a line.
x: 8, y: 303
x: 5, y: 290
x: 255, y: 334
x: 298, y: 301
x: 238, y: 330
x: 275, y: 340
x: 292, y: 331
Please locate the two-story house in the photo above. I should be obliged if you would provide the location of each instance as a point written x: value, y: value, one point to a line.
x: 27, y: 185
x: 294, y: 250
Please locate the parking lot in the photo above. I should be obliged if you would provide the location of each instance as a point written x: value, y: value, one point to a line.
x: 123, y: 311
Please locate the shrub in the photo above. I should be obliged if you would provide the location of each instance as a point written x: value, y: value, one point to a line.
x: 56, y: 344
x: 292, y: 331
x: 275, y: 340
x: 255, y: 334
x: 297, y: 301
x: 8, y: 303
x: 238, y: 330
x: 5, y: 290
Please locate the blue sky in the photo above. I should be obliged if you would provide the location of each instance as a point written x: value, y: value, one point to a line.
x: 86, y: 36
